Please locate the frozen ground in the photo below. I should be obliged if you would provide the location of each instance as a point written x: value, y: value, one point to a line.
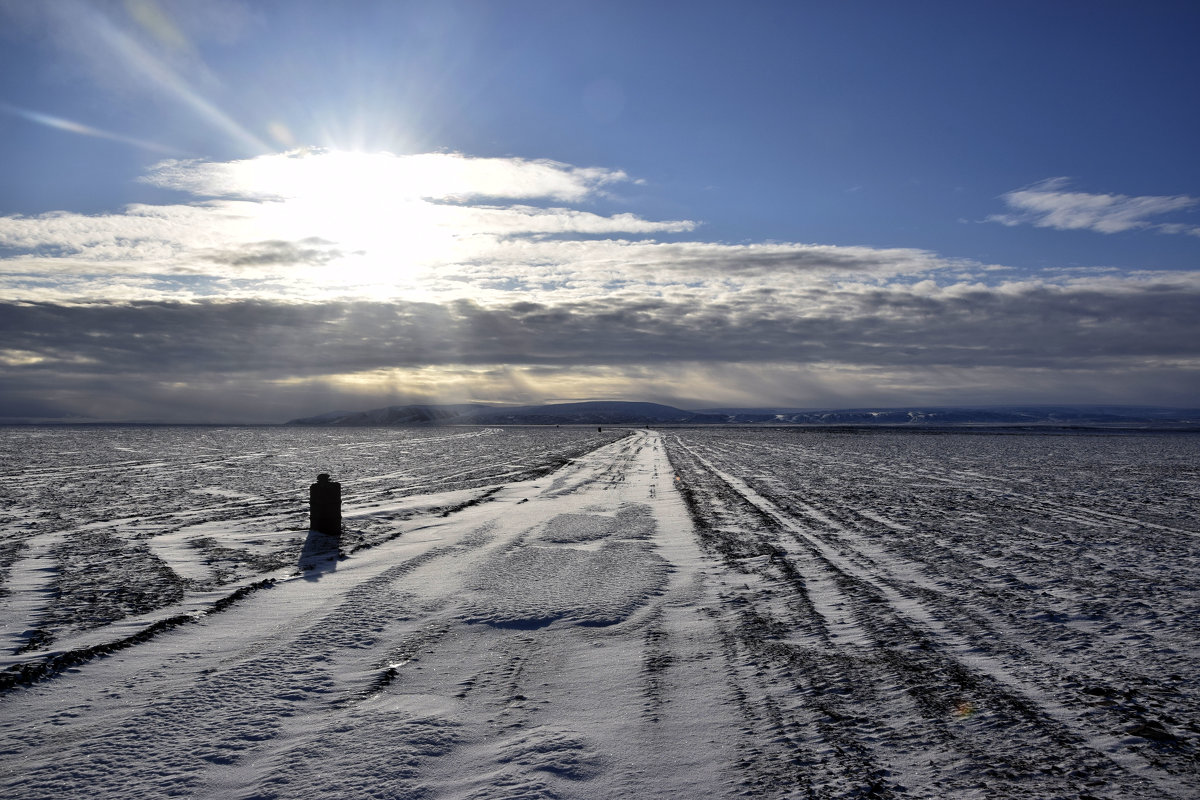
x: 528, y: 613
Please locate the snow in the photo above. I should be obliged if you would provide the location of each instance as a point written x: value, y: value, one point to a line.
x: 556, y: 614
x: 28, y: 588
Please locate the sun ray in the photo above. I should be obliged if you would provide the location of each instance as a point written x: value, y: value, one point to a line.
x: 70, y: 126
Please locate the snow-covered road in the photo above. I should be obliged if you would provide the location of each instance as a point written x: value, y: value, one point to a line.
x: 553, y: 640
x: 632, y: 625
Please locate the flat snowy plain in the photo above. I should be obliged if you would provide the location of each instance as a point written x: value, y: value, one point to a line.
x: 568, y: 613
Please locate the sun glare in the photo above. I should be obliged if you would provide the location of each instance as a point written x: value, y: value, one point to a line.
x: 374, y: 210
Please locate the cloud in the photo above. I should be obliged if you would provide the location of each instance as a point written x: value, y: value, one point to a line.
x: 430, y: 176
x: 313, y: 250
x: 273, y: 360
x: 311, y: 224
x: 297, y: 283
x: 1049, y: 204
x: 1022, y: 325
x: 392, y: 226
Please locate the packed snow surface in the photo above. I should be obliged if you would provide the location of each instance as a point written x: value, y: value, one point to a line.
x: 546, y: 613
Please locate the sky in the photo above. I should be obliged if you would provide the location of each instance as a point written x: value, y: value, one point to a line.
x: 230, y: 211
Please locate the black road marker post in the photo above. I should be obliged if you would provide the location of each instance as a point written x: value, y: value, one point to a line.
x: 325, y: 506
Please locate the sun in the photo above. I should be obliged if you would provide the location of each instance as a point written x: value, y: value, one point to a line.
x: 378, y: 212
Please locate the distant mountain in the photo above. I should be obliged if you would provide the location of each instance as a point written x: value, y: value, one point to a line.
x: 967, y: 415
x: 625, y: 413
x: 397, y: 415
x: 589, y: 413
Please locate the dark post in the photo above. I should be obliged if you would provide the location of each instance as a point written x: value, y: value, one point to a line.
x: 325, y: 506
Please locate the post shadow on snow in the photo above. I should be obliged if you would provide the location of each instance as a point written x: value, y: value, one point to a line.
x: 320, y: 555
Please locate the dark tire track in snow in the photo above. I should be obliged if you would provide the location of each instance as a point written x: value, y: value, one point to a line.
x: 1097, y: 706
x: 31, y: 672
x: 916, y: 637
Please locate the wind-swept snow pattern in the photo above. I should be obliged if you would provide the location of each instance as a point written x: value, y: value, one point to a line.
x: 962, y: 615
x: 518, y: 613
x: 103, y: 525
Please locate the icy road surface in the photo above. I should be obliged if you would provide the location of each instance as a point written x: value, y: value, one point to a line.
x: 683, y: 614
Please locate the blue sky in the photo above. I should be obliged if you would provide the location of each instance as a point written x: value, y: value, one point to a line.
x: 252, y: 211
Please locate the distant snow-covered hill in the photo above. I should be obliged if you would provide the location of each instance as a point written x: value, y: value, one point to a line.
x: 630, y: 413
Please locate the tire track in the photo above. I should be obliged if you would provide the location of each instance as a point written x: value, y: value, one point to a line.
x: 944, y: 673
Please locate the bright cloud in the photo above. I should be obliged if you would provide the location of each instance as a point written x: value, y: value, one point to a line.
x: 430, y: 176
x: 385, y: 223
x: 1049, y: 204
x: 311, y: 225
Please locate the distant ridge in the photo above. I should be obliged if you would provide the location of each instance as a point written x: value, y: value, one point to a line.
x: 587, y: 413
x: 631, y: 413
